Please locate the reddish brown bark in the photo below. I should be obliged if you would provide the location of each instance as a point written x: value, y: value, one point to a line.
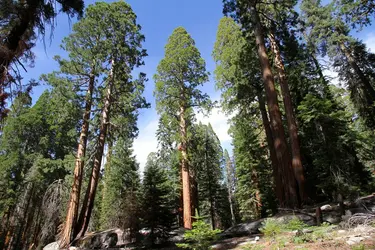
x: 186, y: 196
x: 282, y: 152
x: 279, y: 189
x: 72, y: 212
x: 292, y: 125
x: 88, y: 203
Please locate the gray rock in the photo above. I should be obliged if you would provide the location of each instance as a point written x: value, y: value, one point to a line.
x: 307, y: 231
x: 326, y: 207
x: 52, y: 246
x: 285, y: 218
x: 354, y: 240
x: 101, y: 240
x: 243, y: 229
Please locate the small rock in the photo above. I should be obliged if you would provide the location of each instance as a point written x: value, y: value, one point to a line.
x: 354, y: 240
x: 257, y: 238
x: 348, y: 213
x: 52, y: 246
x: 341, y: 231
x: 307, y: 231
x: 326, y: 207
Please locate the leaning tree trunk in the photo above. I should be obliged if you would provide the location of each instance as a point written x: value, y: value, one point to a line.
x: 368, y: 89
x: 72, y: 213
x: 292, y: 125
x: 282, y: 152
x: 186, y: 196
x: 279, y: 188
x: 88, y: 203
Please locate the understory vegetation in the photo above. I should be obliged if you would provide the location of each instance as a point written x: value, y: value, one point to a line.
x: 298, y: 137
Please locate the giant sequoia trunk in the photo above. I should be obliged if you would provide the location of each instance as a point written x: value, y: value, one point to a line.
x: 292, y: 125
x: 186, y: 196
x: 88, y: 203
x: 279, y: 189
x: 282, y: 152
x: 72, y: 212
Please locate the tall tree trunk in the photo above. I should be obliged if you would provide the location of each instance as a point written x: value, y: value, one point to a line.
x: 72, y: 213
x: 88, y: 203
x: 186, y: 196
x: 258, y: 198
x: 279, y: 188
x: 210, y: 192
x: 292, y: 125
x: 282, y: 152
x: 230, y: 183
x: 107, y: 169
x: 369, y: 90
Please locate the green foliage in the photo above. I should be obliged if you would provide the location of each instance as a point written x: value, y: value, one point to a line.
x: 295, y: 224
x: 359, y: 247
x: 200, y: 237
x: 271, y: 227
x: 158, y: 199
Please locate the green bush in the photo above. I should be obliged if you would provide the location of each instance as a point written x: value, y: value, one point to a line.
x: 200, y: 237
x: 271, y: 227
x: 295, y: 224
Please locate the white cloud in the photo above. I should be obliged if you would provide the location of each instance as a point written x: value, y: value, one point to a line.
x: 219, y: 122
x: 145, y: 143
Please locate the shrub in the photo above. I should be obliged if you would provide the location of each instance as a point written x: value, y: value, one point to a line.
x: 271, y: 227
x: 200, y: 237
x: 295, y: 224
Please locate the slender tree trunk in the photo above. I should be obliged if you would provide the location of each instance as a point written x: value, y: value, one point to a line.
x: 186, y: 196
x: 279, y: 188
x: 230, y: 191
x: 282, y: 152
x: 72, y: 213
x: 194, y: 192
x: 210, y: 193
x: 258, y: 198
x: 292, y: 125
x: 88, y: 203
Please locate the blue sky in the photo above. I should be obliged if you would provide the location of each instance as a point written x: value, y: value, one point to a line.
x: 158, y: 18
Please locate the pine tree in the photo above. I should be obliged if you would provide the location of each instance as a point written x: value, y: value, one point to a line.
x: 20, y: 22
x: 331, y: 35
x: 157, y: 205
x: 121, y: 197
x: 178, y: 76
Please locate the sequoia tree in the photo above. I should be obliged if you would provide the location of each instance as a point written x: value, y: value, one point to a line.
x: 179, y: 74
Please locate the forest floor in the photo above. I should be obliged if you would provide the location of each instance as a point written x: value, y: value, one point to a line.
x: 311, y: 238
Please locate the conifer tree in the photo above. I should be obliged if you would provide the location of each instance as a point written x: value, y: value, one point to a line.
x: 157, y: 202
x: 330, y: 34
x: 179, y: 74
x: 19, y: 26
